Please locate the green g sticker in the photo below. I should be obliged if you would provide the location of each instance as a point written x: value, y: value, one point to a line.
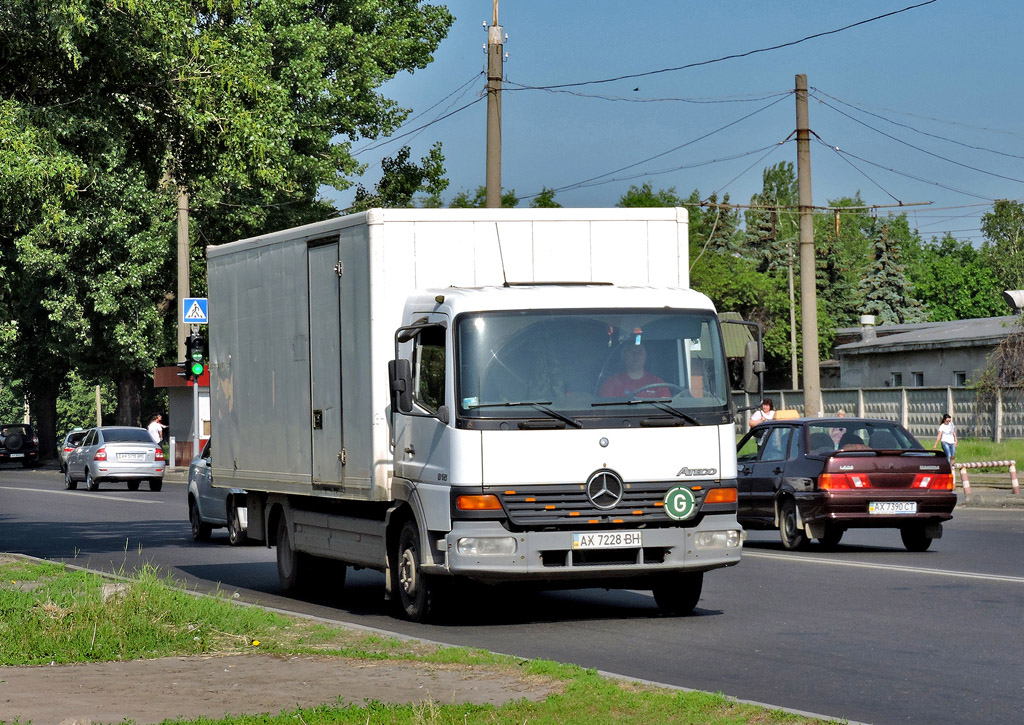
x: 680, y: 503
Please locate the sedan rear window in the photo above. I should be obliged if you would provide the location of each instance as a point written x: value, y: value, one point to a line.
x: 127, y: 435
x: 859, y: 435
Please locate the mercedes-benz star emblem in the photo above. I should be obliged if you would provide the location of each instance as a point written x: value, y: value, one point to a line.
x: 605, y: 489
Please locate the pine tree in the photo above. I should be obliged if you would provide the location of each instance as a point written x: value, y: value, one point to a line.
x: 886, y: 291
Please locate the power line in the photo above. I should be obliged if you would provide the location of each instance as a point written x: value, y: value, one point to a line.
x: 737, y: 55
x: 587, y: 182
x: 903, y: 173
x: 634, y: 99
x: 918, y: 148
x: 917, y: 130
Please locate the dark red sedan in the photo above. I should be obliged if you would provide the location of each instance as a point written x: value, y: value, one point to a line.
x: 814, y: 478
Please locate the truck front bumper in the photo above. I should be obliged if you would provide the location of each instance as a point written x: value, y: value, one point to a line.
x: 554, y: 556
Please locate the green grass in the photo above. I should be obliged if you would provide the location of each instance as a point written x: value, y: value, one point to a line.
x: 51, y: 613
x: 979, y: 449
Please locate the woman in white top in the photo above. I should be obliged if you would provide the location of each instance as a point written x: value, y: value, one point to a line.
x: 765, y: 412
x: 947, y: 436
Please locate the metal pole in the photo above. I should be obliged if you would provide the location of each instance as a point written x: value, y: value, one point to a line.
x: 808, y: 292
x: 495, y: 47
x: 183, y: 268
x: 195, y: 418
x: 99, y: 407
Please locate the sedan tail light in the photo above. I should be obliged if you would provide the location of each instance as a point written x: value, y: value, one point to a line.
x: 934, y: 481
x: 158, y: 454
x: 101, y: 455
x: 35, y: 440
x: 837, y: 481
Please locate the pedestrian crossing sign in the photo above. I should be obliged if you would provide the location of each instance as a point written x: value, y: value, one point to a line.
x: 196, y: 310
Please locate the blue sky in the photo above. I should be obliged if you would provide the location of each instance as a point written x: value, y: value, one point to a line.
x: 946, y: 69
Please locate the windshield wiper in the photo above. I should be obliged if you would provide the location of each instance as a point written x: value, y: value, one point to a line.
x: 541, y: 405
x: 659, y: 403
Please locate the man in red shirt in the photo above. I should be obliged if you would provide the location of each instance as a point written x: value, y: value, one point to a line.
x: 633, y: 378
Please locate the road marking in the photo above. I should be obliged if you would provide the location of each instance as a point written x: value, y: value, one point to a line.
x: 106, y: 497
x: 888, y: 567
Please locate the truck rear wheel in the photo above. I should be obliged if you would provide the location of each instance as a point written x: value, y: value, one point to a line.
x: 415, y: 595
x: 677, y: 595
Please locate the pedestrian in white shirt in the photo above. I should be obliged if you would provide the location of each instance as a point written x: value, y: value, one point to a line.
x: 947, y: 436
x: 156, y: 428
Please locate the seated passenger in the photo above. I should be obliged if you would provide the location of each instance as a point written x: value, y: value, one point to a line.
x: 633, y: 378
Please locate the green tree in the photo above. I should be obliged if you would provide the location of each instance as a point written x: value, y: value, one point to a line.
x: 1003, y: 228
x: 545, y: 200
x: 645, y: 196
x: 954, y: 281
x: 107, y: 107
x: 402, y: 180
x: 772, y: 232
x: 463, y: 200
x: 886, y: 291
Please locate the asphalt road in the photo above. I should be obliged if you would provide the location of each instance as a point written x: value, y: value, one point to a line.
x: 869, y: 633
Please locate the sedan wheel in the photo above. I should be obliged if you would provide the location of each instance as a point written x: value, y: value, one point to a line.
x: 133, y: 485
x: 69, y: 484
x: 155, y: 484
x: 833, y: 535
x: 792, y: 536
x: 236, y: 534
x: 914, y: 537
x: 91, y: 483
x: 200, y: 529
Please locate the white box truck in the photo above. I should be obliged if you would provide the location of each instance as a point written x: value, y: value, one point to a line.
x: 455, y: 393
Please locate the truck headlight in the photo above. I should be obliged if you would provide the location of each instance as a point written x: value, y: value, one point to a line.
x: 717, y: 539
x: 487, y: 546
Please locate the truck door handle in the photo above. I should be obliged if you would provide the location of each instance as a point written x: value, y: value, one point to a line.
x: 777, y: 471
x: 746, y: 470
x: 411, y: 450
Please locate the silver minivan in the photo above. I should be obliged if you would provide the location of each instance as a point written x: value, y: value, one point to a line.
x: 209, y: 507
x: 116, y: 453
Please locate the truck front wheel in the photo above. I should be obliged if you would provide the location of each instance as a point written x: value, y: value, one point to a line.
x: 414, y: 587
x: 291, y: 564
x: 677, y: 595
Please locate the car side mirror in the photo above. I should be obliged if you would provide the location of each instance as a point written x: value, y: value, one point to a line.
x: 752, y: 368
x: 400, y: 379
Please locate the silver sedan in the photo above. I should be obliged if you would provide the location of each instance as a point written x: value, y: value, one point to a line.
x: 116, y: 453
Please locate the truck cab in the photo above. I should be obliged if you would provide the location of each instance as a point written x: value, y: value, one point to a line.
x: 540, y: 431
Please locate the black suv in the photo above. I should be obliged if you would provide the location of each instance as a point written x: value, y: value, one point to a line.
x: 18, y: 442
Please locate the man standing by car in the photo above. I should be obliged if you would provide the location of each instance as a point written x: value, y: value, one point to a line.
x: 156, y: 428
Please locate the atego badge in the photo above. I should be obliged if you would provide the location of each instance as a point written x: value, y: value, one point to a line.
x: 680, y: 503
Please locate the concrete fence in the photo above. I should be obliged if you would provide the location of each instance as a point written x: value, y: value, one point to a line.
x: 993, y: 416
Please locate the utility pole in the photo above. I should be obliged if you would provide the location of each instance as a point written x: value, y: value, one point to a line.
x: 494, y: 74
x: 183, y: 268
x: 808, y: 291
x: 792, y: 320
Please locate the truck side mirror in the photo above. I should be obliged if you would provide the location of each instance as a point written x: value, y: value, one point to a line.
x: 400, y: 379
x: 752, y: 368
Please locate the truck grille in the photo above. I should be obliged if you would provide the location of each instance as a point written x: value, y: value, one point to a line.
x: 568, y: 505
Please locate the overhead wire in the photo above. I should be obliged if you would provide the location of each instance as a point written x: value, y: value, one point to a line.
x: 816, y: 91
x: 918, y: 148
x: 588, y: 182
x: 735, y: 56
x: 903, y: 173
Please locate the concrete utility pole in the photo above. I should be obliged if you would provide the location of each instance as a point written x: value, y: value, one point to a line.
x: 495, y: 46
x: 183, y: 269
x: 808, y: 291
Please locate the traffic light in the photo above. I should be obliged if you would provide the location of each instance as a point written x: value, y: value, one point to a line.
x: 195, y: 353
x: 185, y: 367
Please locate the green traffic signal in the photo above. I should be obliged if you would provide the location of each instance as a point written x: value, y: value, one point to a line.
x: 197, y: 368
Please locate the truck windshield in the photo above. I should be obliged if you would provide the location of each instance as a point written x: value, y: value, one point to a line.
x: 583, y: 364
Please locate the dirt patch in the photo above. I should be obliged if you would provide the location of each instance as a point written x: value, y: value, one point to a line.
x: 149, y: 691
